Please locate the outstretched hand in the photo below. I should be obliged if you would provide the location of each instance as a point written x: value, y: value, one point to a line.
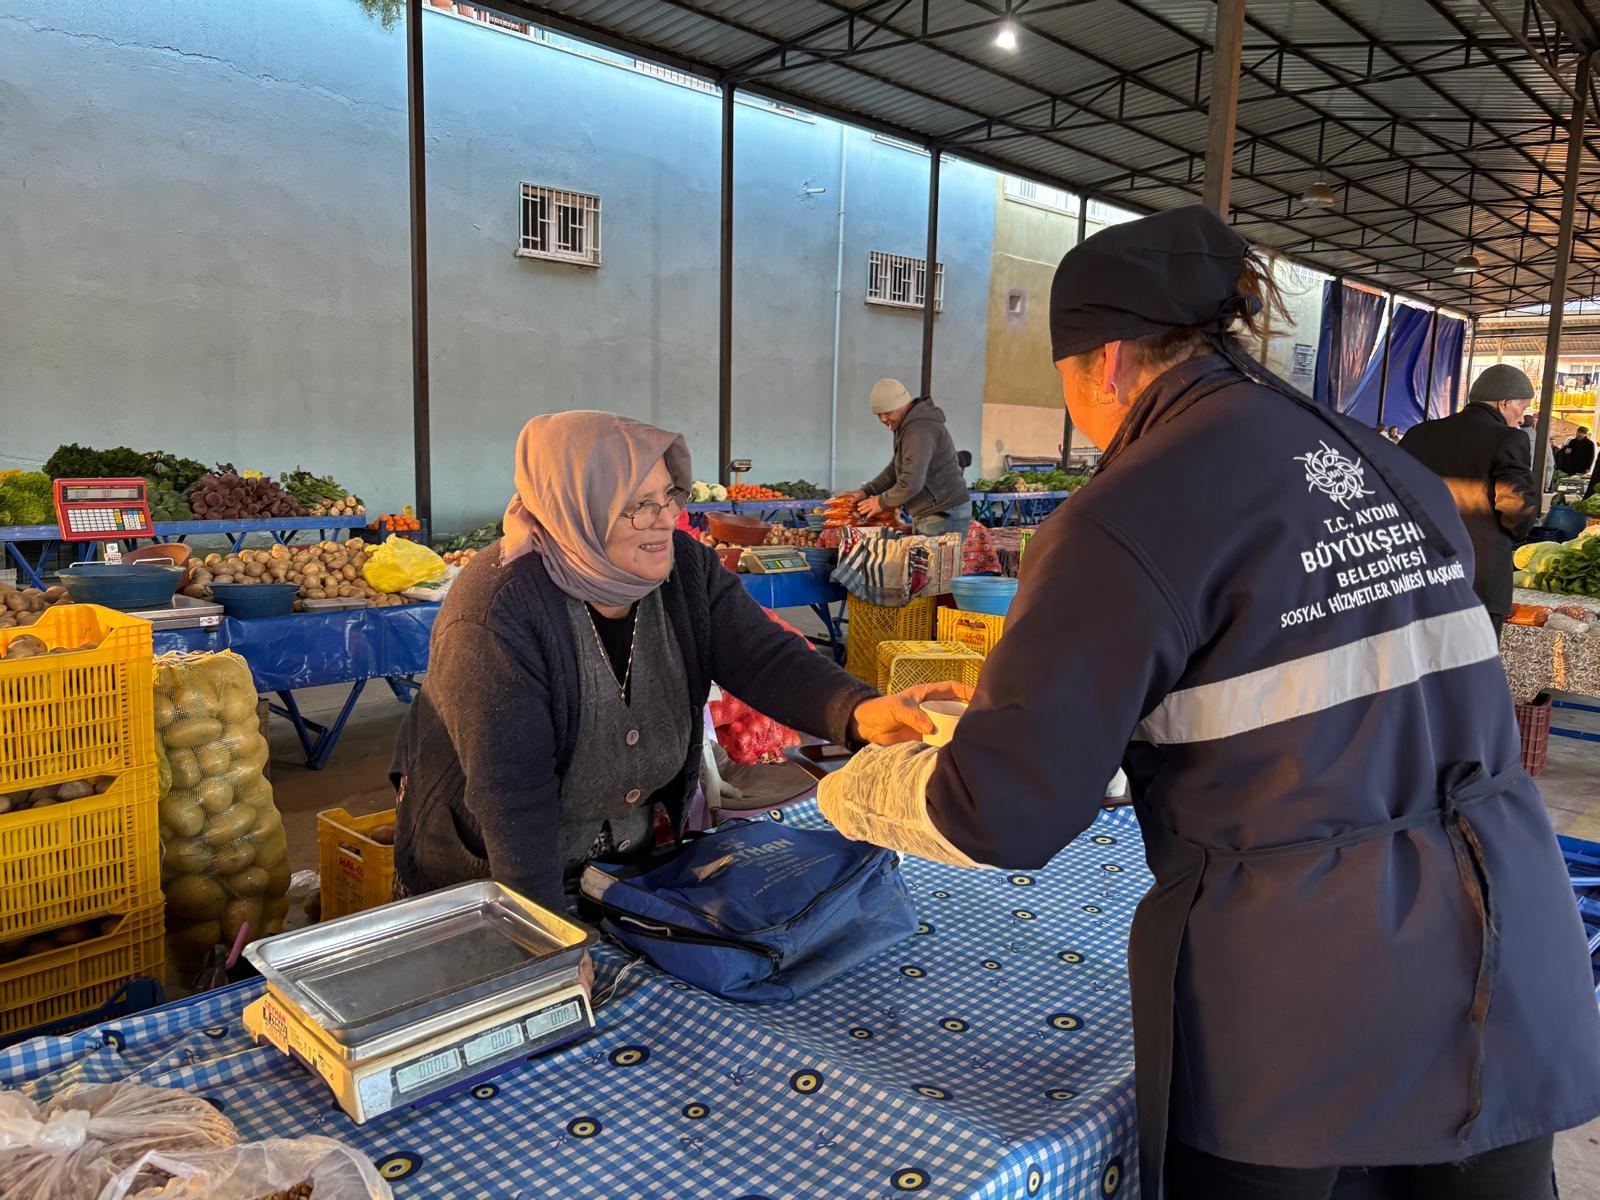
x: 899, y: 718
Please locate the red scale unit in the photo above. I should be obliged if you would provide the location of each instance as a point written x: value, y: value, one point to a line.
x: 102, y: 510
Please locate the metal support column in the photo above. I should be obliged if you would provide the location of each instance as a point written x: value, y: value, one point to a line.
x: 725, y: 296
x: 930, y: 272
x: 1388, y: 344
x: 1433, y: 344
x: 1558, y: 277
x: 1464, y: 381
x: 421, y: 432
x: 1335, y: 370
x: 1066, y: 417
x: 1223, y: 112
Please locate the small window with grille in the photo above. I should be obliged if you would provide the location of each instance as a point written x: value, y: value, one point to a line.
x: 900, y: 282
x: 560, y: 225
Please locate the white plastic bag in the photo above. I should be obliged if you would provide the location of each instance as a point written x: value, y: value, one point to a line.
x: 251, y: 1170
x: 68, y: 1148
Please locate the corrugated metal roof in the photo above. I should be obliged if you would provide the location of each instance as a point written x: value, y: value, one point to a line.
x: 1438, y: 129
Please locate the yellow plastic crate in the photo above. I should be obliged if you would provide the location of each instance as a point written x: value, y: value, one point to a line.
x: 75, y: 716
x: 357, y: 872
x: 924, y: 662
x: 873, y: 623
x: 85, y: 858
x: 75, y: 979
x: 975, y: 631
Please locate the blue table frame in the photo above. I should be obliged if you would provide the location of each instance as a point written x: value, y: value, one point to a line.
x: 1014, y: 508
x: 282, y: 528
x: 803, y: 589
x: 352, y: 647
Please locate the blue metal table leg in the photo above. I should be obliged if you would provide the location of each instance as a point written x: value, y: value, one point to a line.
x: 403, y: 686
x: 1582, y: 735
x: 33, y: 572
x: 1594, y: 708
x: 834, y: 624
x: 317, y: 740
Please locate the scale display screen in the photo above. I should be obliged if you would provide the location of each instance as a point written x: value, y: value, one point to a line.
x: 552, y: 1019
x: 496, y: 1041
x: 424, y: 1071
x: 89, y: 510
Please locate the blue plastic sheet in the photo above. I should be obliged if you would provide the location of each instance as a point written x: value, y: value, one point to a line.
x: 313, y: 649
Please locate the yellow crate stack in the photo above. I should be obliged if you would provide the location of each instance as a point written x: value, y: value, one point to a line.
x: 874, y: 623
x: 92, y: 864
x: 357, y: 871
x: 976, y: 631
x: 905, y: 664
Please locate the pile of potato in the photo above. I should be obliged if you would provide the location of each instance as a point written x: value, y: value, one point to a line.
x: 26, y: 606
x: 225, y: 856
x: 326, y: 571
x: 61, y: 793
x: 55, y: 939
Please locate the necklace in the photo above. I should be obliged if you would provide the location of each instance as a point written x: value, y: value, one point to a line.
x: 633, y: 642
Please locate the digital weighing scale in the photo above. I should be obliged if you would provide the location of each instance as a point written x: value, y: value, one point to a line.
x: 773, y: 560
x: 101, y: 510
x: 184, y: 612
x: 423, y: 997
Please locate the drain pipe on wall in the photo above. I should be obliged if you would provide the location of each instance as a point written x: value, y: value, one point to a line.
x: 838, y: 311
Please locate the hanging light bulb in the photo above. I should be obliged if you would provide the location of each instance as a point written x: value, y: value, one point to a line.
x: 1319, y: 195
x: 1006, y: 38
x: 1467, y: 264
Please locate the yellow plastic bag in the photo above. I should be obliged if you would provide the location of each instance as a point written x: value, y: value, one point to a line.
x: 401, y: 563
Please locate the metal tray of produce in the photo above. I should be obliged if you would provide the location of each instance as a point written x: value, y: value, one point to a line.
x: 368, y: 974
x: 331, y: 605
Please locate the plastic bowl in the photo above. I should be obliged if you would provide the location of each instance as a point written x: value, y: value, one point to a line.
x: 738, y: 529
x: 819, y: 560
x: 730, y: 558
x: 989, y: 594
x: 1568, y: 520
x: 122, y: 586
x: 246, y: 601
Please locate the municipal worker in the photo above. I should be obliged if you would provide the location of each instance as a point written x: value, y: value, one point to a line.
x: 1361, y: 949
x: 925, y: 476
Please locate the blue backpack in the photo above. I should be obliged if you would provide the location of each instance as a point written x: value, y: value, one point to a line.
x: 756, y: 910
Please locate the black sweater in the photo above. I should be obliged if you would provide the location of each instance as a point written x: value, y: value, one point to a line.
x: 486, y: 742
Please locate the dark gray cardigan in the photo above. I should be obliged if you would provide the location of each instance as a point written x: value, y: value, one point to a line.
x: 484, y: 745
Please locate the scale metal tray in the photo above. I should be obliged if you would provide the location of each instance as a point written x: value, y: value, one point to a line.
x: 393, y: 967
x: 185, y: 612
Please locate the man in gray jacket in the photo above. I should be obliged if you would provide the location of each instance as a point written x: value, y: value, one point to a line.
x: 924, y: 476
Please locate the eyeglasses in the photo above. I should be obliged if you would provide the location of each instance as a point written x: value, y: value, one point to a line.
x: 651, y: 511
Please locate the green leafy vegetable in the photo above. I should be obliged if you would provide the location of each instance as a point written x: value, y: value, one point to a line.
x: 26, y: 498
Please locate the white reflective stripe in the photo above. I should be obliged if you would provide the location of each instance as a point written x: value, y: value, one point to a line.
x: 1320, y: 681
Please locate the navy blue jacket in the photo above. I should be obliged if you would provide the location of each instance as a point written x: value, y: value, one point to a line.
x: 1361, y: 947
x: 484, y: 745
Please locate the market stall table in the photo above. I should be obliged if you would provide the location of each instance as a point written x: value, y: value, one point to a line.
x: 1539, y: 659
x: 1014, y: 508
x: 803, y: 589
x: 307, y: 650
x: 283, y: 529
x: 988, y: 1057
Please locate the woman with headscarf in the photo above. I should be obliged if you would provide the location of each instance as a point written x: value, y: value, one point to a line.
x: 1360, y: 970
x: 570, y: 663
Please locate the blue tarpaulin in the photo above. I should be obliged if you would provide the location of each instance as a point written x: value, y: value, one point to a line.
x: 1403, y: 404
x: 1351, y: 318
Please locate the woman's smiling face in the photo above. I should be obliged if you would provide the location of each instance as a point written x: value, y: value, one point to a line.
x: 646, y: 552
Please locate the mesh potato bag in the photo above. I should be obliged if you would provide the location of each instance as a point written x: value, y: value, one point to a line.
x: 224, y: 858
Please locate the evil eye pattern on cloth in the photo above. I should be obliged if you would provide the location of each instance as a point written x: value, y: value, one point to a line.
x: 989, y: 1060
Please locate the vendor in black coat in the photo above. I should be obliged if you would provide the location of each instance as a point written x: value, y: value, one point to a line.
x: 1578, y: 454
x: 1483, y: 457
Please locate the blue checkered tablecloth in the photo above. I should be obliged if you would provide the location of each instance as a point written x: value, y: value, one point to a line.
x: 989, y: 1057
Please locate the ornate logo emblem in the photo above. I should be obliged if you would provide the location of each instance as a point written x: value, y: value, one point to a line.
x: 1338, y: 478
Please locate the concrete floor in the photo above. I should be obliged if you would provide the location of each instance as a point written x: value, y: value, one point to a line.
x: 357, y: 779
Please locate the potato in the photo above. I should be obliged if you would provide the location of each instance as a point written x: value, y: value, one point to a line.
x: 197, y: 591
x: 44, y: 795
x: 188, y: 856
x: 250, y: 883
x: 26, y: 646
x: 181, y: 813
x: 74, y: 934
x: 247, y: 749
x: 214, y: 795
x: 102, y: 785
x: 234, y: 857
x: 382, y: 834
x: 42, y: 944
x: 74, y: 791
x: 241, y: 912
x: 214, y: 759
x: 228, y: 826
x: 268, y: 821
x: 166, y: 712
x: 272, y: 852
x: 192, y: 731
x: 274, y: 908
x: 196, y: 898
x: 55, y: 594
x: 239, y: 705
x: 191, y: 943
x: 251, y: 789
x: 185, y: 766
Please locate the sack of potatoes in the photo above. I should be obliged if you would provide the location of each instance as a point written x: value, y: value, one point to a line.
x: 225, y: 858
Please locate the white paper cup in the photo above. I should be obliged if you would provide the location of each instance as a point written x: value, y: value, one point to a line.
x: 944, y: 714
